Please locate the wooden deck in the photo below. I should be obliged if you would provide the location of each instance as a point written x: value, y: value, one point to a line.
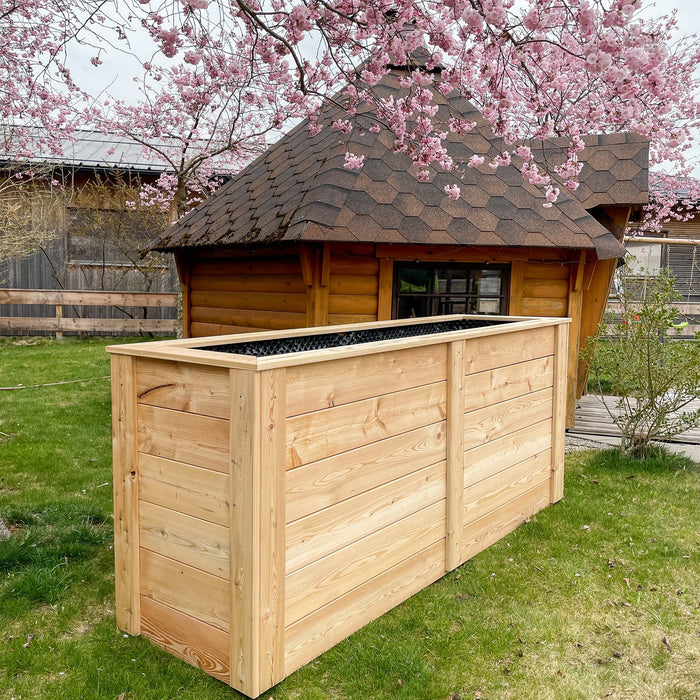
x: 593, y: 419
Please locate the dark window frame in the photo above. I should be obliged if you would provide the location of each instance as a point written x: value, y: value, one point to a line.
x: 447, y: 297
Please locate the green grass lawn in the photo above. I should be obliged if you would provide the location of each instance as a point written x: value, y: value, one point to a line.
x: 596, y: 597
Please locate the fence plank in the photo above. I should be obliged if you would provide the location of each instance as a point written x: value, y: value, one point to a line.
x: 86, y: 298
x: 112, y: 325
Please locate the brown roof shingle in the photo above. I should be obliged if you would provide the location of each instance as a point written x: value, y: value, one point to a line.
x: 299, y: 190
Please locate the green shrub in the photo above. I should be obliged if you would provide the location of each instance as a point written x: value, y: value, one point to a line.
x: 636, y: 358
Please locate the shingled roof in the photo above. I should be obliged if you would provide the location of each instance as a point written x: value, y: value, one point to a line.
x: 299, y: 191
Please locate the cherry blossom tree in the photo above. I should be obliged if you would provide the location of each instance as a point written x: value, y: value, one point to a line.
x: 218, y: 78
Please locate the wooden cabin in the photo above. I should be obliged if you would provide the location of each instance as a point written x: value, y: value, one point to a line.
x: 297, y: 240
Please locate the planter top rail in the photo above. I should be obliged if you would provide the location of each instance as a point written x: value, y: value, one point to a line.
x: 275, y: 349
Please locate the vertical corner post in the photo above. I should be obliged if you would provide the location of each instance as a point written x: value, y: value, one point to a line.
x: 257, y: 529
x: 454, y: 507
x: 561, y: 337
x: 386, y: 289
x: 126, y: 513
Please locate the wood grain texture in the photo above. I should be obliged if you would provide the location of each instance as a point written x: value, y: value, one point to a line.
x: 544, y: 307
x: 313, y: 436
x: 260, y: 282
x: 328, y: 384
x: 265, y: 301
x: 454, y: 473
x: 191, y: 640
x: 559, y: 413
x: 497, y: 490
x: 492, y: 422
x: 353, y: 284
x: 317, y: 535
x: 488, y: 459
x: 274, y: 320
x: 201, y: 493
x: 494, y: 351
x: 314, y: 586
x: 316, y: 633
x: 508, y: 382
x: 364, y: 304
x: 201, y: 441
x: 386, y: 289
x: 497, y: 524
x: 125, y: 461
x: 326, y: 482
x: 230, y: 267
x: 245, y: 536
x: 183, y: 587
x: 183, y: 387
x: 272, y: 527
x: 197, y: 543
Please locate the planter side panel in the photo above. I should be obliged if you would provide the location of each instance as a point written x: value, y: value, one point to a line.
x: 365, y: 491
x: 184, y: 544
x: 508, y: 458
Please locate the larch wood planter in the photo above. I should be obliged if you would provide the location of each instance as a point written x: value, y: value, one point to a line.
x: 266, y: 507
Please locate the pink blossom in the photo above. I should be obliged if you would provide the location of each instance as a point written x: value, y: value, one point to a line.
x: 452, y: 191
x: 353, y: 162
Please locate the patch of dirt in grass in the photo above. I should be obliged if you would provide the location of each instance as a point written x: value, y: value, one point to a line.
x: 86, y: 623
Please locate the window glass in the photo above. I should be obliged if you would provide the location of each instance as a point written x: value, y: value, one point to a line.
x: 425, y: 289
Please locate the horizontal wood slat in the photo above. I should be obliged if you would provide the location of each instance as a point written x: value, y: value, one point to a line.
x: 186, y: 589
x: 483, y: 532
x: 232, y: 268
x: 312, y: 635
x: 191, y: 640
x: 328, y: 384
x: 197, y: 543
x: 290, y: 284
x: 353, y: 284
x: 59, y: 297
x: 201, y: 441
x: 194, y: 491
x: 494, y: 351
x: 342, y: 319
x: 497, y: 490
x: 317, y: 535
x: 493, y: 386
x: 351, y: 265
x: 316, y: 585
x: 485, y: 460
x: 352, y: 304
x: 489, y: 423
x: 203, y: 330
x: 546, y: 288
x: 264, y: 301
x: 274, y: 320
x: 329, y: 481
x: 183, y: 387
x: 544, y: 307
x: 313, y: 436
x: 163, y: 326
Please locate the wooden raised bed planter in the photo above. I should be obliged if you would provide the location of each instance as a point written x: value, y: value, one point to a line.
x: 266, y: 507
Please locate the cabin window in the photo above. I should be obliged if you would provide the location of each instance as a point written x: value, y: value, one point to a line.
x: 430, y: 289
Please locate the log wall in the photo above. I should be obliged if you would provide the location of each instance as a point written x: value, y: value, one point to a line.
x: 266, y: 508
x: 302, y: 285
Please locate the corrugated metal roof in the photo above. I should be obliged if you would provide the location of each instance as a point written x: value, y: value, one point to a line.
x: 93, y: 149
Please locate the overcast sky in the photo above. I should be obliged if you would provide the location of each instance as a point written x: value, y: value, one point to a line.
x: 114, y: 73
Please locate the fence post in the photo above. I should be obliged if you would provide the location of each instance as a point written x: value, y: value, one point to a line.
x: 59, y: 314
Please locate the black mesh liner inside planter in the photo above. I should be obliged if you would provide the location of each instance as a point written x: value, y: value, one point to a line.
x: 301, y: 343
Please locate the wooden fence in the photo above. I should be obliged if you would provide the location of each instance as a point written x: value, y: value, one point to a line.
x: 62, y: 312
